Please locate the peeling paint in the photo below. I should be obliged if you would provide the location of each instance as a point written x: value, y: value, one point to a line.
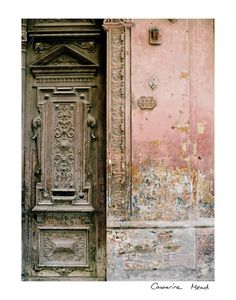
x: 155, y: 143
x: 161, y: 193
x: 205, y: 195
x: 184, y: 147
x: 194, y: 149
x: 183, y: 75
x: 200, y: 128
x: 181, y: 127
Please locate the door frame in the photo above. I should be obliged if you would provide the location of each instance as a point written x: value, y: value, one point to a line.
x: 119, y: 120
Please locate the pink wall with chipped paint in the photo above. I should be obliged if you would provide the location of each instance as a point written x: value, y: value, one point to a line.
x: 173, y: 144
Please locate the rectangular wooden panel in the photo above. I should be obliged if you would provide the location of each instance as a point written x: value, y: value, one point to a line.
x: 64, y: 247
x: 64, y: 146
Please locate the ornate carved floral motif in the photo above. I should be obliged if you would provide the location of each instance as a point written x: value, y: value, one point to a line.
x: 114, y: 21
x: 91, y: 122
x: 118, y: 120
x: 118, y: 117
x: 60, y: 218
x: 64, y: 146
x: 146, y: 103
x: 90, y: 46
x: 63, y: 271
x: 65, y: 60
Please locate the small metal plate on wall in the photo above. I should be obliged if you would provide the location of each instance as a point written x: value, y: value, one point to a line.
x: 155, y: 36
x: 146, y: 103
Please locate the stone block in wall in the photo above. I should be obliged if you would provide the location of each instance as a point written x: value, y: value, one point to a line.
x: 151, y: 254
x: 205, y: 253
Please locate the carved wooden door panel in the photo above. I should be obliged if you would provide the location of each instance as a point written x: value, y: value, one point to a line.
x: 64, y: 149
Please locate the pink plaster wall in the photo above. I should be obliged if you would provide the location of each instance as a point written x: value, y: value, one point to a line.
x: 173, y: 144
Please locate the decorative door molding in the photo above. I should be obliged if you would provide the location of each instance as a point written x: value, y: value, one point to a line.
x: 118, y: 118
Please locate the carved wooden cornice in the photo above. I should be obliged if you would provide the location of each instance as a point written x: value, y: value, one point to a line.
x: 63, y: 28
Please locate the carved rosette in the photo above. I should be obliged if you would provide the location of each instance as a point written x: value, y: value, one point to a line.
x: 118, y: 116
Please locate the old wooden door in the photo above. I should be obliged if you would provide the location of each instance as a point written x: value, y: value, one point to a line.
x: 63, y: 149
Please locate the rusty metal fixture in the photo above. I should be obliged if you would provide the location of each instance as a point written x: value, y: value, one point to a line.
x: 155, y: 36
x: 173, y: 20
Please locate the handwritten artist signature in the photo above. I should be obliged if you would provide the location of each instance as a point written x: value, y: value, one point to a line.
x: 173, y: 286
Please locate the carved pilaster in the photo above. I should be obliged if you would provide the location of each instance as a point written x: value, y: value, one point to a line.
x: 118, y: 118
x: 23, y: 57
x: 25, y: 156
x: 24, y: 31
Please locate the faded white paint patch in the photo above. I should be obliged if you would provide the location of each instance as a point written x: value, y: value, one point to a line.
x: 184, y: 147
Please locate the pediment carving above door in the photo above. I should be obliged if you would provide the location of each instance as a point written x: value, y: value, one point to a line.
x: 64, y: 58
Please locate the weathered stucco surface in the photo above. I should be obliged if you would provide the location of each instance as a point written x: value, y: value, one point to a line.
x: 172, y: 146
x: 160, y: 254
x: 172, y: 158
